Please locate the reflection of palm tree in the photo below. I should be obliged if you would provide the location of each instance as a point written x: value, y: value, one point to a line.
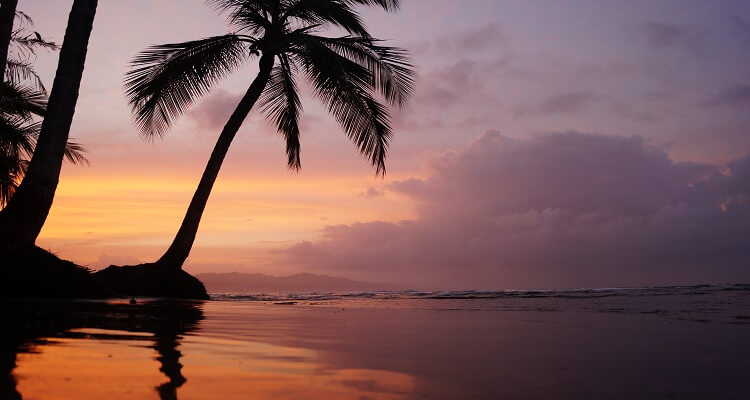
x: 347, y: 74
x: 168, y: 336
x: 28, y: 325
x: 7, y: 364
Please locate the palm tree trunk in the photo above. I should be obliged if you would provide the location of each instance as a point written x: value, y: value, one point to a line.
x: 23, y: 217
x: 178, y: 252
x: 7, y: 17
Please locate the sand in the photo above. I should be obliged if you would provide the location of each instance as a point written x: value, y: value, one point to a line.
x: 670, y: 346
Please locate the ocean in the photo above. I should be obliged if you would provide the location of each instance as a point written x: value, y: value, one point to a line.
x: 678, y: 342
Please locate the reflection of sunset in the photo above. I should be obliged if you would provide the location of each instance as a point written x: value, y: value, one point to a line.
x: 74, y: 369
x: 215, y: 368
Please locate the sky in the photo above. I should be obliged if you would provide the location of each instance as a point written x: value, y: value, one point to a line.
x: 553, y: 143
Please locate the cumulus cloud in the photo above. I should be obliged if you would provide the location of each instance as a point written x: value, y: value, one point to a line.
x: 557, y: 210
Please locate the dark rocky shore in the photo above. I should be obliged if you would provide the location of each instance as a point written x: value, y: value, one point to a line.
x: 37, y: 273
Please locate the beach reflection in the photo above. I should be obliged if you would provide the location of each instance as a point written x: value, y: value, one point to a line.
x: 159, y: 350
x: 392, y: 350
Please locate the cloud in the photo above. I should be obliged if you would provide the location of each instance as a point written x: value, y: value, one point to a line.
x: 562, y: 103
x: 661, y: 35
x: 214, y: 111
x: 736, y: 95
x: 487, y: 36
x: 575, y: 102
x: 371, y: 193
x: 567, y: 102
x: 557, y: 210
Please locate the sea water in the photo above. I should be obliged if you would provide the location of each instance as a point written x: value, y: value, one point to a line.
x: 617, y: 343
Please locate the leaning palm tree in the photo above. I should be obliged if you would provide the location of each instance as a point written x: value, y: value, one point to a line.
x: 350, y: 74
x: 23, y: 217
x: 23, y: 99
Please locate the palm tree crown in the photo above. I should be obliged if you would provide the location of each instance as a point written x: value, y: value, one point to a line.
x: 350, y: 74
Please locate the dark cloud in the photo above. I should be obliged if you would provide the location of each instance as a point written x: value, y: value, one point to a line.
x: 634, y: 113
x: 737, y: 95
x: 661, y: 35
x: 558, y: 210
x: 567, y: 102
x: 561, y: 103
x: 575, y: 102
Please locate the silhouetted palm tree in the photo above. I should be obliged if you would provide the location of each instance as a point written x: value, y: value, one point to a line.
x: 20, y: 102
x: 24, y: 215
x: 348, y: 74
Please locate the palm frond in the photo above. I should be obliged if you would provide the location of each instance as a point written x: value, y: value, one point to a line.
x: 24, y: 19
x: 12, y: 171
x: 281, y: 103
x: 166, y: 79
x: 17, y: 141
x: 21, y: 101
x: 18, y: 71
x: 391, y: 67
x: 253, y: 17
x: 327, y: 13
x: 388, y: 5
x: 74, y: 153
x: 29, y: 44
x: 18, y: 137
x: 346, y: 88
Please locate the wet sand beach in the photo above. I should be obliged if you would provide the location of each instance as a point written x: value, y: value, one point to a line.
x: 688, y: 343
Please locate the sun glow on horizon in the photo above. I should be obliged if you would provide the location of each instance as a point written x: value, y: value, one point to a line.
x: 135, y: 215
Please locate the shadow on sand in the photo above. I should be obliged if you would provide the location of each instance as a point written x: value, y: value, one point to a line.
x: 30, y: 324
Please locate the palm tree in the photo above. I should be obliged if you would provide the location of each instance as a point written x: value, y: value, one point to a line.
x: 23, y: 98
x: 24, y: 215
x: 347, y: 73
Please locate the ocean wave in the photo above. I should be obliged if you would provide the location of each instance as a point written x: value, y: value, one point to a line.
x: 571, y: 294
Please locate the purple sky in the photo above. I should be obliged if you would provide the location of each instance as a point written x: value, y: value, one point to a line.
x: 552, y: 143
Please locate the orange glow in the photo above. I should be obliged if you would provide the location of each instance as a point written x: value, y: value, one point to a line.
x: 73, y: 368
x: 137, y: 216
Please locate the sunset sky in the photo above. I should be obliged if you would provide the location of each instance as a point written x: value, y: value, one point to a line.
x: 550, y: 144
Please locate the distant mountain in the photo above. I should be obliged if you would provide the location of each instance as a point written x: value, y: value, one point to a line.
x: 239, y: 282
